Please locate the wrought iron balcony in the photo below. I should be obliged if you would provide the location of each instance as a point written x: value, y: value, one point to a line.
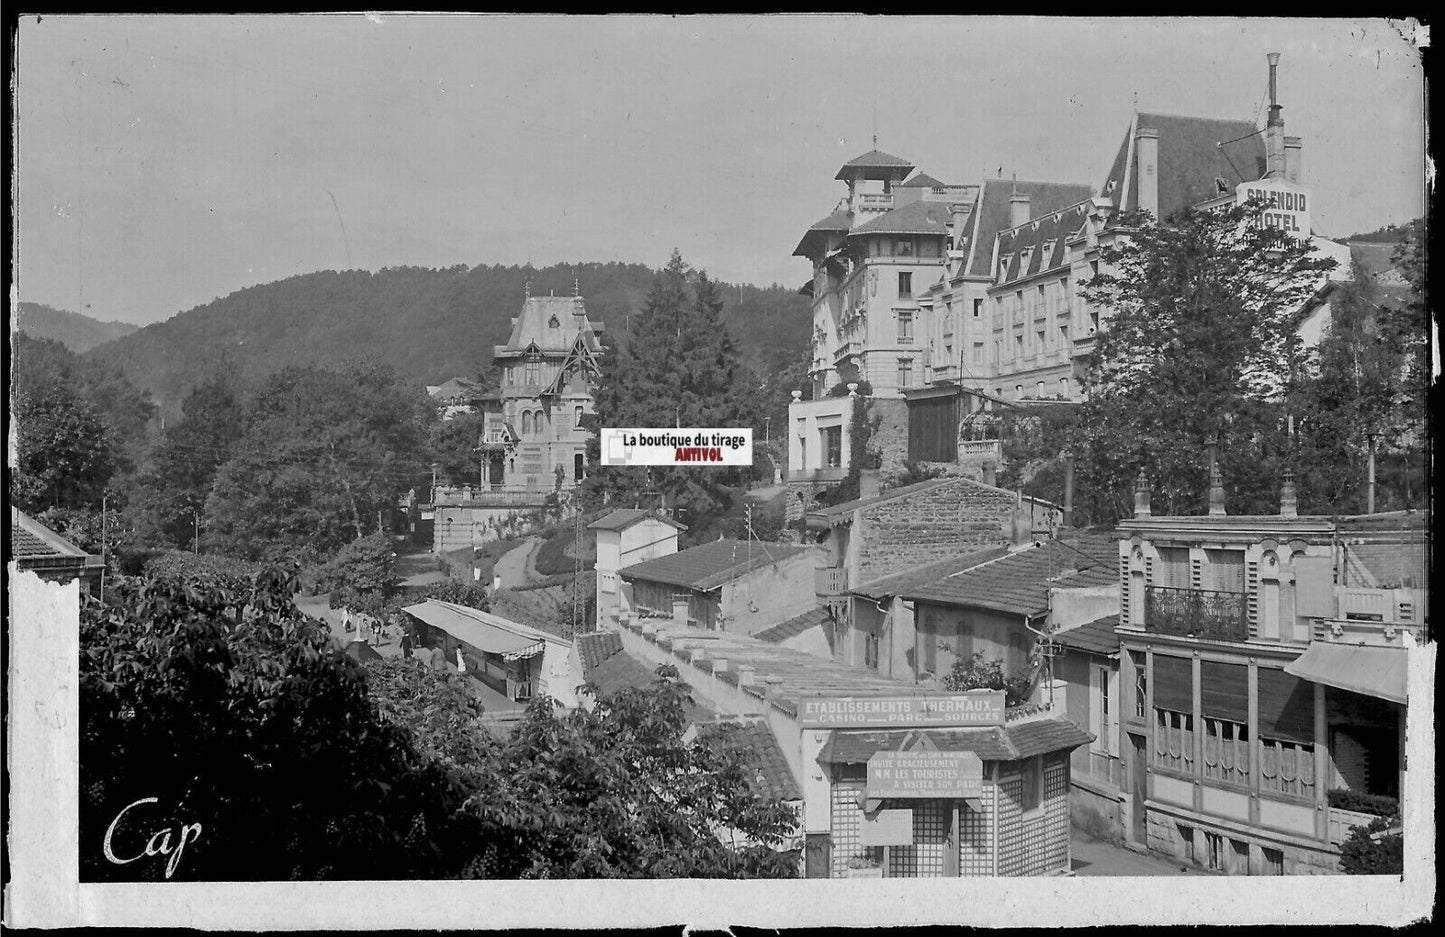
x: 1197, y: 613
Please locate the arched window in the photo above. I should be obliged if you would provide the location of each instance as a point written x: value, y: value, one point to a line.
x: 526, y: 423
x: 577, y: 417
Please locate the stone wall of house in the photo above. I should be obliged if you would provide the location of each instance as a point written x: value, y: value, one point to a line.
x: 959, y: 517
x: 1165, y: 838
x: 890, y: 439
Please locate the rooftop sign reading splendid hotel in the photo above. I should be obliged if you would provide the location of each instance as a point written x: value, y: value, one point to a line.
x: 1287, y: 204
x: 976, y: 708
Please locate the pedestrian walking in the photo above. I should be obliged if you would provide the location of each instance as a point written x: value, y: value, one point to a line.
x: 406, y: 645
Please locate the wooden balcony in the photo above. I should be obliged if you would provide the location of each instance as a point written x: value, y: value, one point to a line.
x: 1197, y: 613
x: 830, y: 581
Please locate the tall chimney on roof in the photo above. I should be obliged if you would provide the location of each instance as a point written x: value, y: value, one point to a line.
x: 1274, y: 128
x: 1146, y: 143
x: 1216, y: 492
x: 1293, y: 148
x: 1288, y: 503
x: 1019, y: 207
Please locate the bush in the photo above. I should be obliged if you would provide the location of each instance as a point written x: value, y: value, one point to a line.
x: 211, y: 570
x: 1360, y: 854
x: 975, y: 672
x: 1377, y: 804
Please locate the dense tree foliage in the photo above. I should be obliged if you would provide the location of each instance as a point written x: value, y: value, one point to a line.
x: 361, y: 576
x: 433, y: 324
x: 978, y: 672
x: 234, y: 712
x: 453, y: 446
x: 1201, y: 345
x: 678, y: 367
x: 324, y: 456
x: 1377, y: 848
x: 77, y: 332
x: 167, y: 500
x: 270, y: 755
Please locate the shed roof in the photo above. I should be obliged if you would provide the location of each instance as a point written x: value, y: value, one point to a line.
x: 621, y: 671
x: 1019, y: 582
x: 710, y: 565
x: 32, y: 540
x: 759, y: 746
x: 482, y: 630
x: 1094, y: 637
x: 794, y: 626
x: 596, y: 647
x: 903, y: 583
x: 624, y: 518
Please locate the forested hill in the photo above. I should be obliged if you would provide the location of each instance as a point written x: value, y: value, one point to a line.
x: 428, y: 324
x: 77, y: 332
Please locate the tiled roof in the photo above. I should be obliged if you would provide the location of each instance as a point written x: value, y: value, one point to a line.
x: 622, y: 670
x: 922, y: 180
x: 533, y: 326
x: 994, y: 213
x: 812, y: 240
x: 626, y: 517
x: 758, y: 744
x: 903, y: 583
x: 32, y: 540
x: 920, y: 217
x: 707, y: 566
x: 794, y: 626
x: 873, y: 159
x: 1023, y: 739
x: 1096, y: 637
x: 456, y: 387
x: 1190, y: 159
x: 1394, y: 565
x: 596, y: 647
x: 1019, y: 582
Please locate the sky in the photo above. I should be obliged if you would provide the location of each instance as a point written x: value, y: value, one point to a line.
x: 165, y: 161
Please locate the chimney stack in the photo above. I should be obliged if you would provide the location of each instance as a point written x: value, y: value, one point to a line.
x: 1147, y: 148
x: 1068, y: 489
x: 958, y: 220
x: 1141, y: 495
x: 1019, y: 208
x: 1293, y: 147
x: 868, y: 483
x: 1274, y: 128
x: 1216, y: 492
x: 1021, y: 526
x: 1288, y: 505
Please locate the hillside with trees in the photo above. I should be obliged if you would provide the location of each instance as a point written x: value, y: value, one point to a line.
x: 77, y: 332
x: 427, y: 324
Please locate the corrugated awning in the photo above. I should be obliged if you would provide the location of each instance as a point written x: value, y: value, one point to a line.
x: 478, y: 634
x: 1370, y: 671
x: 531, y: 650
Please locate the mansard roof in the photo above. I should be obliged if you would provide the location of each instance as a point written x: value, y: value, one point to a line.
x: 995, y: 213
x: 1191, y: 158
x: 533, y: 329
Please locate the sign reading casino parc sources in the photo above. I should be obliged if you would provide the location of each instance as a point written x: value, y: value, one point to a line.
x: 976, y: 708
x: 712, y: 446
x: 925, y: 774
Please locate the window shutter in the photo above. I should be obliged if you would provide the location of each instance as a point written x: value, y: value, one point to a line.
x: 1286, y: 707
x: 1173, y: 683
x: 1224, y: 691
x: 1251, y: 588
x: 1314, y: 591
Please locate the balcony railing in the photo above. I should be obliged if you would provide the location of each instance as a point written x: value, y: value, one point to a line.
x: 831, y: 580
x: 1197, y: 613
x: 872, y: 201
x: 498, y: 496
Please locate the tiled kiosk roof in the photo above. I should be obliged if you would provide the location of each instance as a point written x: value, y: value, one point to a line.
x: 625, y: 517
x: 31, y: 540
x: 760, y: 747
x: 860, y: 166
x: 1010, y: 742
x: 913, y: 218
x: 709, y: 565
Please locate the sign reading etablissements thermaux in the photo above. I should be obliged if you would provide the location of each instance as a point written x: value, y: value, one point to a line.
x: 925, y: 774
x: 957, y: 710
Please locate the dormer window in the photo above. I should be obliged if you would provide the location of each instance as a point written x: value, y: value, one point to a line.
x: 552, y: 323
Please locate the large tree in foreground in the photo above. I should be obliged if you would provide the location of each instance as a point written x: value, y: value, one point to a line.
x: 676, y: 367
x: 1200, y: 346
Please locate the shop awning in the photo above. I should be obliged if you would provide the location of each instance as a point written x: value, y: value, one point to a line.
x: 480, y: 635
x: 1371, y: 671
x: 531, y: 650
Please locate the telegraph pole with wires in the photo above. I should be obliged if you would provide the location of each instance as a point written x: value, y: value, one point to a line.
x: 576, y: 558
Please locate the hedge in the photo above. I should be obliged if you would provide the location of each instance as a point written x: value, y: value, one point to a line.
x: 1376, y: 804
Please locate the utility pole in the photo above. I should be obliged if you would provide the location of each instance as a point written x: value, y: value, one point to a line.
x: 103, y: 551
x: 576, y: 557
x: 1370, y: 491
x: 196, y: 545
